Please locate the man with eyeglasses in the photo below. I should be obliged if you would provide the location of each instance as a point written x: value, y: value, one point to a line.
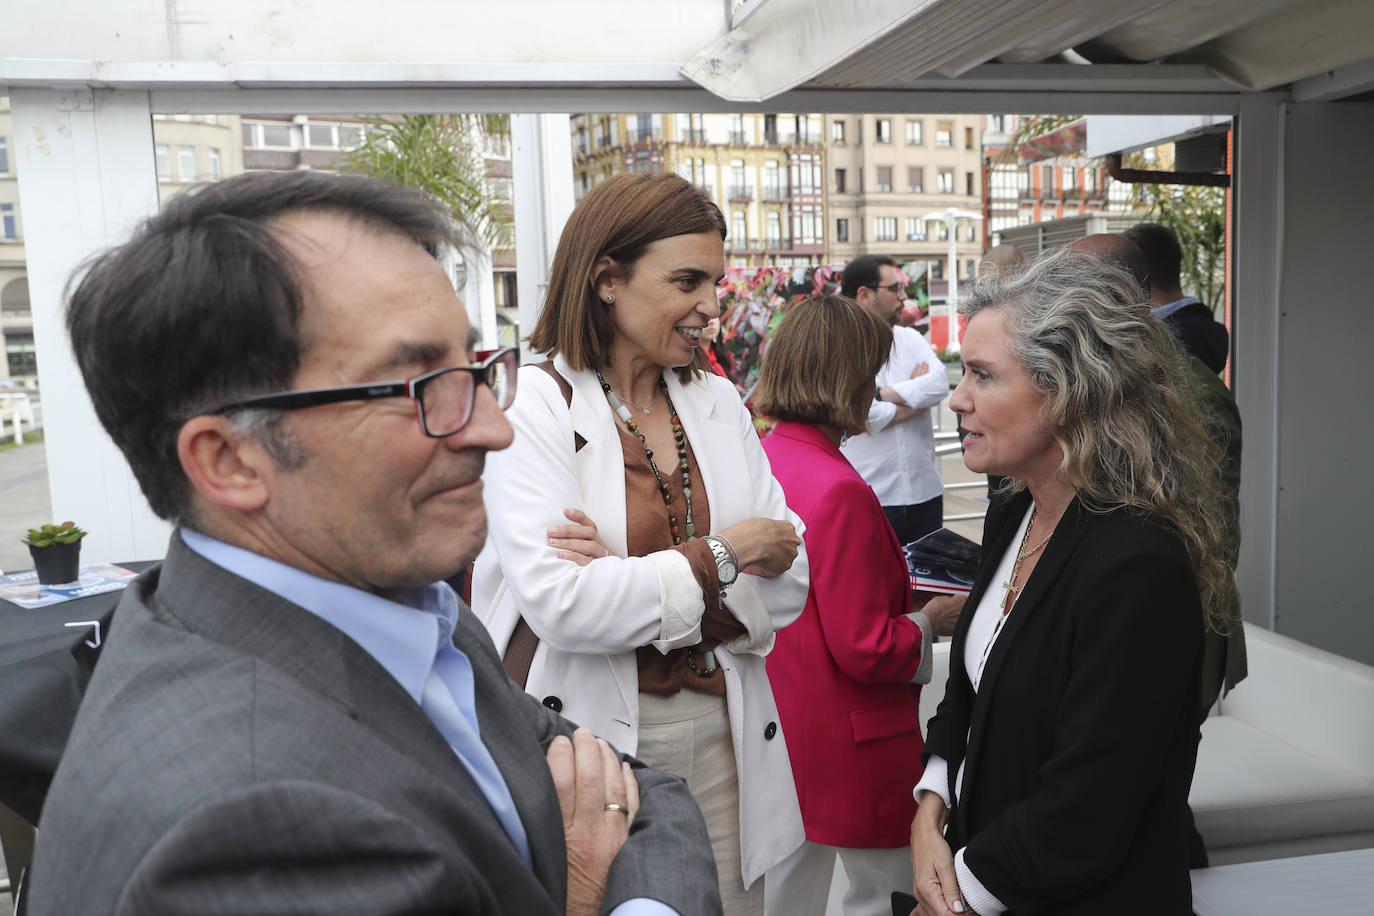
x: 897, y: 454
x: 293, y: 714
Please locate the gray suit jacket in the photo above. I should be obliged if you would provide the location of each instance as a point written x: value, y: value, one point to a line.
x: 236, y: 754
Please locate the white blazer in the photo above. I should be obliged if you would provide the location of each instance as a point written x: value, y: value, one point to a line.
x: 591, y: 619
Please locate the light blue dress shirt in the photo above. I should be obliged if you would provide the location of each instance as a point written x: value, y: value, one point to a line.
x: 1164, y: 311
x: 412, y: 638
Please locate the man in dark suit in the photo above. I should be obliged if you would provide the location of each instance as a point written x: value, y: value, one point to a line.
x: 1187, y: 316
x: 292, y: 713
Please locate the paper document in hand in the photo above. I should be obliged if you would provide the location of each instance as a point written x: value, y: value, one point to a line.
x: 943, y: 562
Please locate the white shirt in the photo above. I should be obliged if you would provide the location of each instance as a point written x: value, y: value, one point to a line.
x: 898, y: 459
x: 983, y: 631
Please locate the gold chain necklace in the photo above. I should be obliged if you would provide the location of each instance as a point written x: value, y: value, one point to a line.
x: 1022, y: 554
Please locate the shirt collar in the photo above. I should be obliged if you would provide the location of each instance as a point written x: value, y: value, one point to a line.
x: 1164, y: 311
x: 403, y: 636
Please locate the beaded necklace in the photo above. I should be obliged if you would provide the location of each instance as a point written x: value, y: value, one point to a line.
x: 620, y: 410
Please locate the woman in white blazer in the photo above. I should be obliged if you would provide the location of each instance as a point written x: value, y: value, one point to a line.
x: 638, y: 541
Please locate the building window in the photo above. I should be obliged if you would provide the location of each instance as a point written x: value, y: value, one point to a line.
x: 913, y: 133
x: 739, y: 229
x: 969, y: 268
x: 883, y: 130
x: 215, y: 172
x: 320, y: 135
x: 885, y: 229
x: 915, y: 179
x: 774, y: 230
x: 1070, y: 178
x: 1089, y: 179
x: 8, y: 229
x: 997, y: 124
x: 971, y: 232
x: 770, y: 129
x: 20, y: 354
x: 186, y: 163
x: 968, y: 183
x: 837, y: 132
x: 1046, y: 178
x: 937, y: 270
x: 807, y: 178
x: 4, y: 155
x: 915, y: 229
x: 164, y: 162
x: 841, y: 230
x: 772, y: 182
x: 941, y: 231
x: 884, y: 178
x: 839, y: 181
x: 968, y: 138
x: 807, y: 227
x: 944, y: 133
x: 945, y: 184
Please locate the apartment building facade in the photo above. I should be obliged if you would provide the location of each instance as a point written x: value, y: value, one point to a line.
x: 764, y: 171
x: 1048, y: 177
x: 890, y: 178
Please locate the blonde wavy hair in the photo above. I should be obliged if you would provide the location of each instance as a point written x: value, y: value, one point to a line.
x: 1118, y: 401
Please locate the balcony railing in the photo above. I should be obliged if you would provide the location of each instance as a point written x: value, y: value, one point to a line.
x: 736, y: 138
x: 695, y: 135
x: 742, y: 243
x: 774, y: 194
x: 643, y: 136
x: 741, y: 192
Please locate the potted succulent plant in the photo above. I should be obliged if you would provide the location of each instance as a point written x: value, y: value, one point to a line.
x: 56, y: 552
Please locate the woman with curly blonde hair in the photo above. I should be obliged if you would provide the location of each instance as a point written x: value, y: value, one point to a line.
x: 1058, y: 764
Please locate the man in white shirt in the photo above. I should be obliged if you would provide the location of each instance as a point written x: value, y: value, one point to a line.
x: 897, y: 455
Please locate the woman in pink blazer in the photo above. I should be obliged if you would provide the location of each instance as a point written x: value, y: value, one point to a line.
x: 847, y: 673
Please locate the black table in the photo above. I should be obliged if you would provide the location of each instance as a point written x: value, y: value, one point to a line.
x: 44, y: 668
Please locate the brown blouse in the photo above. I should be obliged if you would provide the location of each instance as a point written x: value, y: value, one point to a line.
x: 646, y: 531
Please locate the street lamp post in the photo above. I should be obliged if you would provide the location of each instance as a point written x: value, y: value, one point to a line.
x: 951, y: 216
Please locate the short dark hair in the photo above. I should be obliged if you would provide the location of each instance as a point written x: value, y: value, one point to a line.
x: 619, y: 218
x: 865, y: 270
x: 1162, y: 250
x: 820, y: 363
x: 203, y: 305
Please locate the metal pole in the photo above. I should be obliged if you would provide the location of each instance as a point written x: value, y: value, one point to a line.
x: 952, y: 300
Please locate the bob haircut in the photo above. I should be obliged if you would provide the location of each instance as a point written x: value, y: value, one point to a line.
x: 619, y: 219
x: 1117, y: 400
x: 820, y: 364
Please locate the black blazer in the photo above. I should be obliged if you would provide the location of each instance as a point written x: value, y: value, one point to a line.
x: 1082, y: 739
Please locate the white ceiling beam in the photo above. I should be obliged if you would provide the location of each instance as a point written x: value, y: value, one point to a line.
x: 1336, y: 84
x: 784, y: 43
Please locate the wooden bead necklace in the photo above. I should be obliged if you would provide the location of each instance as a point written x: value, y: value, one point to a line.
x: 620, y: 410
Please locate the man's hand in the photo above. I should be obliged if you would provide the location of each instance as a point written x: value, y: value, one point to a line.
x: 590, y: 779
x: 943, y: 611
x: 932, y: 862
x: 920, y: 370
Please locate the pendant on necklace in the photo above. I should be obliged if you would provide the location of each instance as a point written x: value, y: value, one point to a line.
x: 646, y: 411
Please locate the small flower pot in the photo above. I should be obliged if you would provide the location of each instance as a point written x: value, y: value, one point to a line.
x: 57, y: 564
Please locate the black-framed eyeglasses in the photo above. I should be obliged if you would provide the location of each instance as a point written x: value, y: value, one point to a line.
x: 443, y: 398
x: 896, y: 289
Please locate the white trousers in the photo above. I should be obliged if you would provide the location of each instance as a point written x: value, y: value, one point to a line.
x: 688, y: 735
x: 800, y: 884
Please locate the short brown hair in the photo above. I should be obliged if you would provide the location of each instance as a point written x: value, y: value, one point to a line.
x: 619, y: 219
x: 820, y: 364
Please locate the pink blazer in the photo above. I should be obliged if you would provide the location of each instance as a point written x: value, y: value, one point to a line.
x: 842, y: 673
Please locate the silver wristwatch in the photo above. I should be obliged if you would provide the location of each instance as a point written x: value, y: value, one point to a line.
x: 727, y: 564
